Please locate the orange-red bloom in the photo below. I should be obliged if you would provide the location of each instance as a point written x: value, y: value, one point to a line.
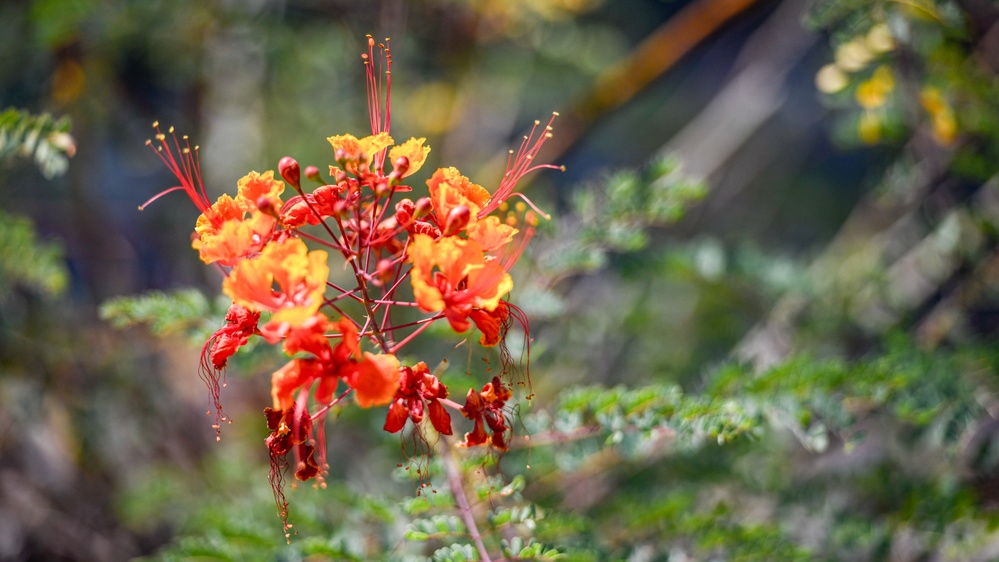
x: 327, y: 363
x: 453, y: 275
x: 240, y: 325
x: 493, y: 324
x: 260, y: 191
x: 374, y: 379
x: 298, y: 274
x: 290, y: 430
x: 450, y: 190
x: 225, y: 233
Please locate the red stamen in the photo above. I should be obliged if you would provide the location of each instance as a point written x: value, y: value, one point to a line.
x: 187, y: 170
x: 520, y: 164
x: 380, y: 122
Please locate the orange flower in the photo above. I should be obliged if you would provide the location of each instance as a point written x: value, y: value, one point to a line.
x: 450, y: 190
x: 493, y: 324
x: 240, y: 325
x: 374, y: 380
x: 260, y: 191
x: 491, y: 234
x: 226, y: 235
x: 295, y: 375
x: 300, y: 277
x: 290, y: 430
x: 453, y: 275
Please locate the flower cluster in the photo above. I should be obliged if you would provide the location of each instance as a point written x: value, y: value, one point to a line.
x: 863, y: 65
x: 447, y: 254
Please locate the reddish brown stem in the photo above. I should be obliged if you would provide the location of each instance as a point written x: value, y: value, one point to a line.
x: 458, y: 491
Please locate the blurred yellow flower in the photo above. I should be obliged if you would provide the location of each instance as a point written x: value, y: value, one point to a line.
x: 873, y: 93
x: 852, y: 56
x: 830, y: 79
x: 942, y: 119
x: 879, y: 39
x: 869, y: 127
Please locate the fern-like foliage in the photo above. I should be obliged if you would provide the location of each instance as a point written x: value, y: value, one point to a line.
x: 613, y: 214
x: 187, y: 312
x: 27, y: 261
x: 42, y: 138
x: 643, y: 419
x: 942, y: 392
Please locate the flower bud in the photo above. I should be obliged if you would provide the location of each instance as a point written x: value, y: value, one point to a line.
x: 266, y: 206
x: 423, y: 207
x: 404, y: 211
x: 288, y: 168
x: 312, y: 173
x: 385, y: 271
x: 401, y: 165
x: 457, y: 220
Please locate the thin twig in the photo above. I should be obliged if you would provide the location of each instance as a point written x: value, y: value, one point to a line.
x: 458, y: 490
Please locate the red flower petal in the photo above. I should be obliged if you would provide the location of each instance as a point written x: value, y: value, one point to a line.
x: 440, y: 417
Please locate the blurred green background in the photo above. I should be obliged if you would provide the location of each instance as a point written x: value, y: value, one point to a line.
x: 764, y: 313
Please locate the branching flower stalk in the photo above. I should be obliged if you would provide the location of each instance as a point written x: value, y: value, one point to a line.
x: 453, y: 248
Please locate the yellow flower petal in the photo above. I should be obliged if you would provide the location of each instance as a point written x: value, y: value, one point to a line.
x: 414, y: 151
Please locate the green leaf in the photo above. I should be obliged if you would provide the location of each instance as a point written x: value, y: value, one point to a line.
x: 28, y: 262
x: 40, y: 137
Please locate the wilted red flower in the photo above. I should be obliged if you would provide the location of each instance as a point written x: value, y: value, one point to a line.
x: 417, y: 389
x: 493, y: 324
x: 240, y: 325
x: 290, y: 430
x: 486, y: 409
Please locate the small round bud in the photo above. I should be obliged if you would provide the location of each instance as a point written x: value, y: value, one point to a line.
x: 266, y: 206
x: 289, y: 170
x: 312, y: 173
x: 457, y: 220
x: 385, y: 271
x: 404, y: 211
x: 401, y: 165
x: 423, y: 207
